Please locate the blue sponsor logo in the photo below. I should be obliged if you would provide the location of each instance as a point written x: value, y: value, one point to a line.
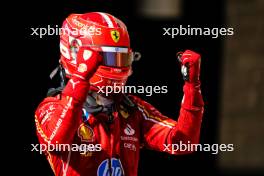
x: 116, y: 168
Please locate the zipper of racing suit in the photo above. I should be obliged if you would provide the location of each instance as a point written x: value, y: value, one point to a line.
x: 111, y: 141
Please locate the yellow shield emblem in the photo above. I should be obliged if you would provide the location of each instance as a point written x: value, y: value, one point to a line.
x: 86, y: 133
x: 115, y: 35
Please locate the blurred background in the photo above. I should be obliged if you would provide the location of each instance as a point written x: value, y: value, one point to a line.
x: 242, y: 98
x: 232, y: 76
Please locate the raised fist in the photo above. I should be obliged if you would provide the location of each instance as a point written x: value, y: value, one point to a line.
x: 190, y: 66
x: 87, y: 62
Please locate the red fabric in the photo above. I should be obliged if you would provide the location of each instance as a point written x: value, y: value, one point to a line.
x: 87, y: 63
x: 77, y: 89
x: 59, y: 121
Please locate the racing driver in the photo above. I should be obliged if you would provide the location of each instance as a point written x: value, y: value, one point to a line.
x: 95, y: 52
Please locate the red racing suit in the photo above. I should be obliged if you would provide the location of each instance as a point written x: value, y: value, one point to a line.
x: 115, y: 144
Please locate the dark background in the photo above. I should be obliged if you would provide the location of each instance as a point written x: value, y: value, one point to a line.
x: 158, y: 66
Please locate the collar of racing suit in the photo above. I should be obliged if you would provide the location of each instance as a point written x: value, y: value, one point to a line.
x: 96, y: 103
x: 108, y: 107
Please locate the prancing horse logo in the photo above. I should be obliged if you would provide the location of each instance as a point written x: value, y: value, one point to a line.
x: 115, y: 35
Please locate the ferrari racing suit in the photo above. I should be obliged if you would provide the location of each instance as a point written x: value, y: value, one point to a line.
x: 112, y: 140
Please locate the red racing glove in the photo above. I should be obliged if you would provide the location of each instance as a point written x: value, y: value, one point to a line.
x: 190, y: 67
x: 87, y: 63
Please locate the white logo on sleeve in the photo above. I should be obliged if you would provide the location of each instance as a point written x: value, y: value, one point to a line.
x: 87, y: 54
x: 73, y: 83
x: 129, y: 130
x: 82, y: 68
